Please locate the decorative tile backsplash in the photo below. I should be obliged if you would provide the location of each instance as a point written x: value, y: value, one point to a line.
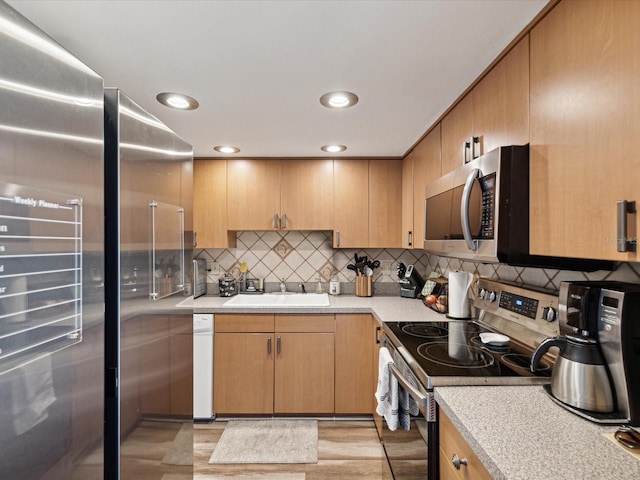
x: 302, y: 257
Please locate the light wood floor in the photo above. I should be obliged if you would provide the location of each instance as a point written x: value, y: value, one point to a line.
x: 347, y: 450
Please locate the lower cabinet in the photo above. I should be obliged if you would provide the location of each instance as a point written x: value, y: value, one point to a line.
x: 453, y: 451
x: 292, y: 364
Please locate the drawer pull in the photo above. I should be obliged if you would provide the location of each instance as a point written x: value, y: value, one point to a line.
x: 457, y: 461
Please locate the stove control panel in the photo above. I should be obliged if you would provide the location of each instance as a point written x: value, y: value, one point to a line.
x: 503, y: 305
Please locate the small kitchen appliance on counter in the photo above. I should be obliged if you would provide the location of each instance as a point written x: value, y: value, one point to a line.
x: 597, y: 374
x: 411, y: 282
x: 494, y: 349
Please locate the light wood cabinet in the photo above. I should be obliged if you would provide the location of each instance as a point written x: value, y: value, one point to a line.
x: 355, y: 377
x: 496, y: 111
x: 253, y: 194
x: 452, y: 443
x: 279, y: 194
x: 351, y: 203
x: 210, y: 204
x: 585, y: 112
x: 420, y: 167
x: 385, y: 204
x: 306, y: 190
x: 243, y: 367
x: 285, y: 365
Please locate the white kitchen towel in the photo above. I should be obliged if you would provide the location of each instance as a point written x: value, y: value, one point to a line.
x: 408, y: 407
x: 387, y: 390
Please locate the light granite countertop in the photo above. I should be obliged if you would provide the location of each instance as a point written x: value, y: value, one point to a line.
x: 519, y: 433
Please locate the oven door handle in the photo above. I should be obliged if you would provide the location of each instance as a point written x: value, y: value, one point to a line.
x: 422, y: 398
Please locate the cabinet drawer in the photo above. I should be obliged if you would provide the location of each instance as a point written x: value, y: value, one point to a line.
x: 305, y: 323
x: 452, y: 442
x: 243, y: 323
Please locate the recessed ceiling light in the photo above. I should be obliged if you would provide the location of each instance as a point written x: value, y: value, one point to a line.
x: 333, y: 148
x: 177, y: 100
x: 339, y: 99
x: 226, y: 149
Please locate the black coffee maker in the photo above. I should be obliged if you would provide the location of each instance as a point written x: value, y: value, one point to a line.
x: 597, y: 373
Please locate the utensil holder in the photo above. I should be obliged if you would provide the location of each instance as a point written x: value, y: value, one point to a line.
x: 363, y: 286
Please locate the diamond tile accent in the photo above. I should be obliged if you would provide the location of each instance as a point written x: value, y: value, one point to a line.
x: 282, y: 248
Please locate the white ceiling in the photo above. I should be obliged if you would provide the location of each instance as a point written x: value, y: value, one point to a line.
x: 258, y: 68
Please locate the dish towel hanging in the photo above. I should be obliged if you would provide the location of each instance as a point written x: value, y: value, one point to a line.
x: 394, y: 403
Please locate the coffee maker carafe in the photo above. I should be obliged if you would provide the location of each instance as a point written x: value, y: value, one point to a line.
x: 580, y: 378
x: 597, y: 374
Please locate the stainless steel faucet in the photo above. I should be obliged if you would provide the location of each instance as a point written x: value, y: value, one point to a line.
x: 283, y: 286
x: 304, y: 290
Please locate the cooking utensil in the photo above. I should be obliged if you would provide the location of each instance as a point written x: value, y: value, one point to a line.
x: 368, y: 271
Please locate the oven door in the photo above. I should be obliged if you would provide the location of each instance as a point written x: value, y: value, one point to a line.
x: 408, y: 450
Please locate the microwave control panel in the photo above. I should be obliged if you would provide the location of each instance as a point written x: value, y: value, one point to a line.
x: 488, y: 187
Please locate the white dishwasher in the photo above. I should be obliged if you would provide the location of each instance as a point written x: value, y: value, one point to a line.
x: 202, y: 366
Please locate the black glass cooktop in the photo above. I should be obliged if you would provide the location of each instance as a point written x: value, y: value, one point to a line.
x: 454, y: 349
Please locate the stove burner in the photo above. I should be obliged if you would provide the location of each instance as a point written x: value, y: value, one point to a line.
x: 425, y: 330
x: 518, y: 360
x: 457, y: 355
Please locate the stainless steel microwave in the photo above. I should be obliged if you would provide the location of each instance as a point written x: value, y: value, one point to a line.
x: 480, y: 212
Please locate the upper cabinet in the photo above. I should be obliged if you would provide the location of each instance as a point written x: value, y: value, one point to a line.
x: 420, y: 167
x: 280, y: 194
x: 367, y: 204
x: 385, y: 207
x: 306, y: 194
x: 585, y: 112
x: 210, y: 204
x: 494, y: 113
x: 254, y: 194
x: 350, y: 203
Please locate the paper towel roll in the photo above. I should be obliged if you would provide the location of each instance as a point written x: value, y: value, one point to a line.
x: 459, y: 283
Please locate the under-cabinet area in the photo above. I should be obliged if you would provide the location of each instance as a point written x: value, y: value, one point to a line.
x: 293, y: 364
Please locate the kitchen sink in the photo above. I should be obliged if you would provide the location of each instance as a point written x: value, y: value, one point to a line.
x: 280, y: 300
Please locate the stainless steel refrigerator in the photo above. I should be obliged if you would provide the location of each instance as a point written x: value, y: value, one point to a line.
x: 51, y: 258
x: 94, y: 256
x: 149, y: 242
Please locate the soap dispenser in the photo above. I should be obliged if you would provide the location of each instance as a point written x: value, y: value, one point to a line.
x: 319, y: 286
x: 334, y: 286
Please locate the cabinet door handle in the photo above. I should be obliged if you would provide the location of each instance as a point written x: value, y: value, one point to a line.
x: 409, y: 238
x: 284, y: 220
x: 269, y: 346
x: 337, y: 238
x: 457, y: 461
x: 278, y: 344
x: 475, y: 141
x: 625, y: 244
x: 465, y: 149
x: 275, y: 221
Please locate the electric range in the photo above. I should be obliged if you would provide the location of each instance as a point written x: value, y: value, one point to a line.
x: 456, y: 352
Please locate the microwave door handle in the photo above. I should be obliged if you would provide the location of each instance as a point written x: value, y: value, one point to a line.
x: 464, y: 208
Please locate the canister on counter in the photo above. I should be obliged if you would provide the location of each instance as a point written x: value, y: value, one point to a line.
x: 227, y: 286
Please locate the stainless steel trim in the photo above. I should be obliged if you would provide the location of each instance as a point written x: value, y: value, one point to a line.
x: 416, y: 394
x: 152, y: 217
x: 464, y: 208
x: 284, y: 220
x: 625, y: 207
x: 278, y: 344
x: 269, y: 346
x: 275, y: 221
